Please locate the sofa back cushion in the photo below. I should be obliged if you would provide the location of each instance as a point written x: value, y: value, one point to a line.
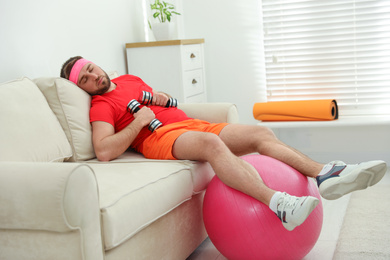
x: 29, y: 130
x: 71, y: 106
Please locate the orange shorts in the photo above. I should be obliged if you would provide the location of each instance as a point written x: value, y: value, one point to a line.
x: 159, y: 144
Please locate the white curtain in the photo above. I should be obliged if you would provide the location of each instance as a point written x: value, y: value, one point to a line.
x: 329, y: 49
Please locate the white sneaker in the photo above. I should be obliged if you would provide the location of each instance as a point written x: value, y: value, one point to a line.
x: 293, y: 211
x: 342, y: 179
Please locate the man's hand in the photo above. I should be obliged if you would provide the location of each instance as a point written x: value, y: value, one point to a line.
x: 144, y: 116
x: 160, y: 99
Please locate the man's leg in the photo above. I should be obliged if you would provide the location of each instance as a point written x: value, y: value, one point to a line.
x: 336, y: 179
x: 232, y: 171
x: 244, y: 139
x: 240, y: 175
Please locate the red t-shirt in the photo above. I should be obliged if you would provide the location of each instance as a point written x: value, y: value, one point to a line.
x: 111, y: 107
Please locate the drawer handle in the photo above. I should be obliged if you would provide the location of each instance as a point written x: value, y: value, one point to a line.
x: 192, y: 56
x: 194, y: 81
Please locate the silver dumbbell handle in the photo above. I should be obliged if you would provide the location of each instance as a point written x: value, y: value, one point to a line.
x: 147, y: 97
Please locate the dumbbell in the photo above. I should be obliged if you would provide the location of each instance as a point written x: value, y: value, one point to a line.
x: 133, y: 107
x: 146, y: 99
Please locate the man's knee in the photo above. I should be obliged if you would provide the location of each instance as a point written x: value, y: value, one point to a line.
x: 266, y: 133
x: 211, y: 143
x: 263, y: 138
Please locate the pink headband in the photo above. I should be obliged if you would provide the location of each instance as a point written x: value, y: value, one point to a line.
x: 74, y: 74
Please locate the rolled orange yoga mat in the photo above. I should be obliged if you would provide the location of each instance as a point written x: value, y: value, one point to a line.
x: 301, y: 110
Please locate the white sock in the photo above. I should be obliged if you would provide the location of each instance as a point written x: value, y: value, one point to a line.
x: 273, y: 205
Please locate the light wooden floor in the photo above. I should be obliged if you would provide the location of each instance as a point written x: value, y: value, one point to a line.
x: 324, y: 249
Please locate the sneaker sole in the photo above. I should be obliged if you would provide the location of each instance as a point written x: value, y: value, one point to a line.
x: 362, y: 177
x: 313, y: 203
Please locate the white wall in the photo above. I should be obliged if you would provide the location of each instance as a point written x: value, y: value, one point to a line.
x: 38, y: 36
x: 233, y: 50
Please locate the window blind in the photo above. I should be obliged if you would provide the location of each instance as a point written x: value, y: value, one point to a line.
x: 333, y: 49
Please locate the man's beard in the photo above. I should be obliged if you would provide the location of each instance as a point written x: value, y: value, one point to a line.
x: 106, y: 83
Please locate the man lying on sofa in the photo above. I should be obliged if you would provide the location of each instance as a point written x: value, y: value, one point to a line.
x: 116, y: 127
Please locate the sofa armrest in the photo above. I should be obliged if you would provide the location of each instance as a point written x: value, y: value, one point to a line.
x: 56, y: 197
x: 211, y: 112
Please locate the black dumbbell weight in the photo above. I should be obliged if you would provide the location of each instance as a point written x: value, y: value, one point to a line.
x: 146, y: 99
x: 133, y: 107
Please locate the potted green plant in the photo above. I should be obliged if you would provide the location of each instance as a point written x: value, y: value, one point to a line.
x: 163, y: 28
x: 163, y: 11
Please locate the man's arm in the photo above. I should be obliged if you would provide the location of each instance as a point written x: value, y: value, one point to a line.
x: 108, y: 145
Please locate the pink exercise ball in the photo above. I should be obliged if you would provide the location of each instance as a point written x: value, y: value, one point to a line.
x: 241, y: 227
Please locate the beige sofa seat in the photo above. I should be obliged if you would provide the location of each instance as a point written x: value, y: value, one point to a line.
x: 132, y: 198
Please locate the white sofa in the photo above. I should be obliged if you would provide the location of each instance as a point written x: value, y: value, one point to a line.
x: 58, y: 202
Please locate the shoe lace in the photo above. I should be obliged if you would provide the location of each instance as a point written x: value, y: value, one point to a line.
x: 291, y: 202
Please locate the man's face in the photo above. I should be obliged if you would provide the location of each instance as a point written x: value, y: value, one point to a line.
x: 93, y: 80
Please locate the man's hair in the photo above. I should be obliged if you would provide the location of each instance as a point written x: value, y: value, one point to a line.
x: 67, y: 66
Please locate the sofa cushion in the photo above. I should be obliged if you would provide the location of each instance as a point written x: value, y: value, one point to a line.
x: 134, y: 195
x: 201, y: 172
x: 29, y: 130
x: 71, y: 106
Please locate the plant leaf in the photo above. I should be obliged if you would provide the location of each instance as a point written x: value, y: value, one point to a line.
x: 161, y: 10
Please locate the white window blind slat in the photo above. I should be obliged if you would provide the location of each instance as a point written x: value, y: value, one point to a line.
x: 336, y: 49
